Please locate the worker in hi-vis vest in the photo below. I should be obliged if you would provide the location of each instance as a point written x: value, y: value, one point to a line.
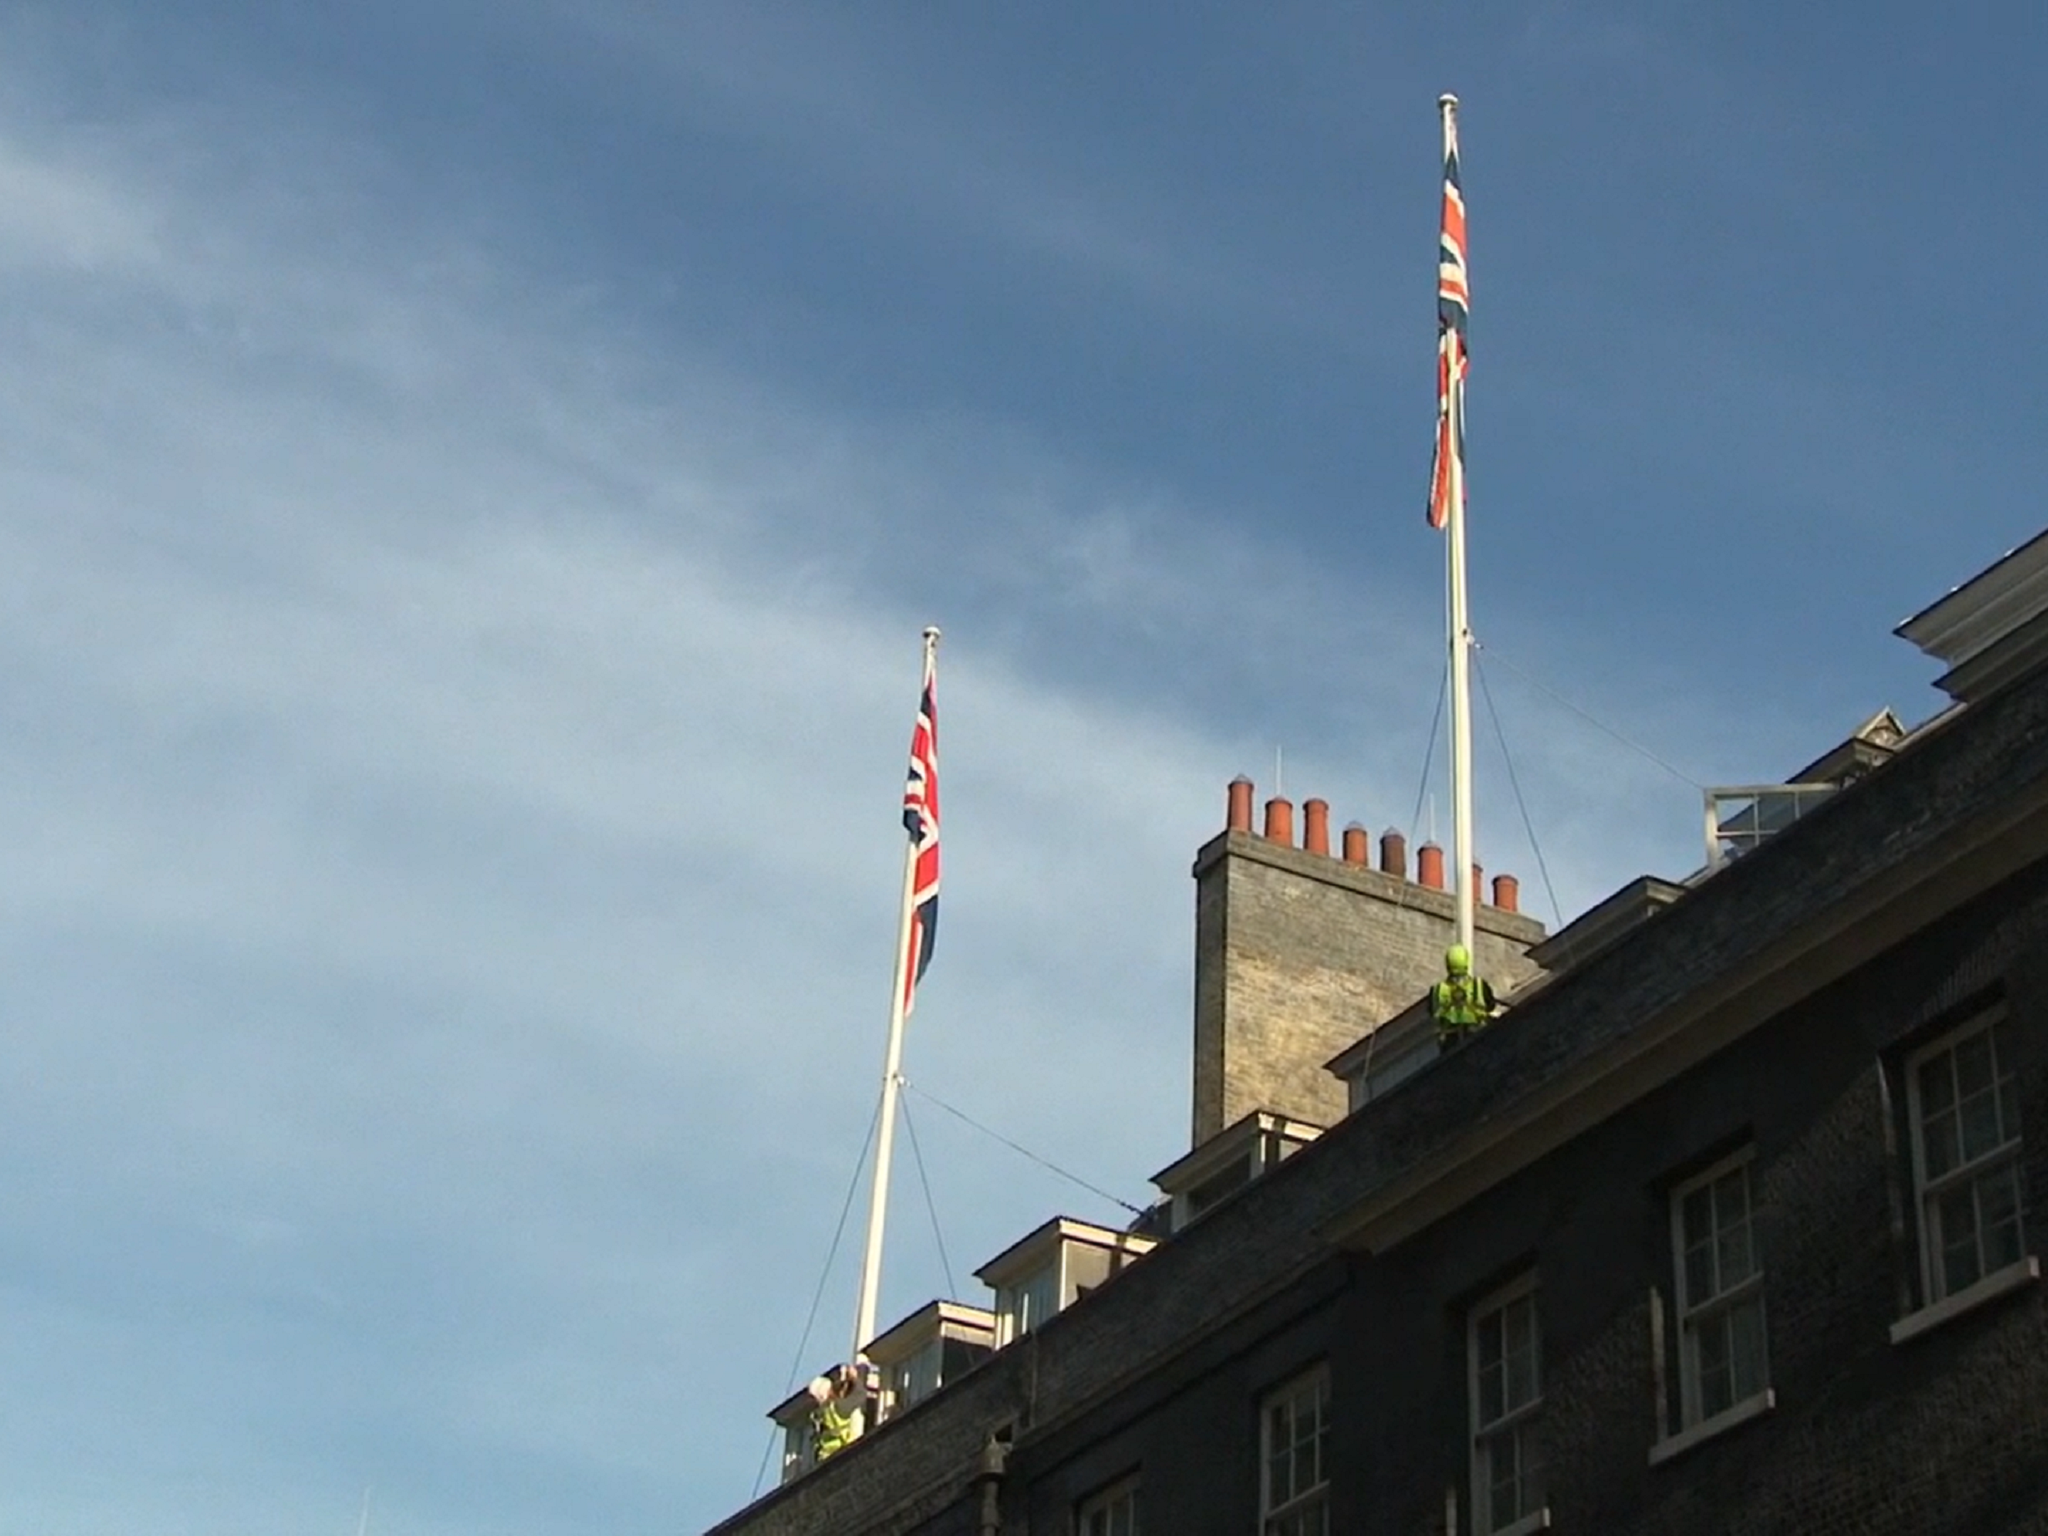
x: 1462, y: 1004
x: 839, y: 1408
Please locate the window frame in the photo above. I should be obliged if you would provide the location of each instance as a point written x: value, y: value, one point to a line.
x: 1536, y: 1515
x: 1007, y: 1297
x: 923, y: 1368
x: 1316, y: 1380
x: 799, y: 1447
x: 2009, y: 1153
x: 1103, y: 1502
x: 1689, y: 1314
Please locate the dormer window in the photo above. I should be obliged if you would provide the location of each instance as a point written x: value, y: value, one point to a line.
x: 1228, y: 1161
x: 794, y: 1417
x: 938, y: 1342
x: 1052, y: 1269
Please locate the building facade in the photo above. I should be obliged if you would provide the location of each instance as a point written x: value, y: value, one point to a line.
x: 1731, y: 1224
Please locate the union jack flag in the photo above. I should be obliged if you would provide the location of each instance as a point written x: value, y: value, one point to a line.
x: 1453, y: 306
x: 921, y: 821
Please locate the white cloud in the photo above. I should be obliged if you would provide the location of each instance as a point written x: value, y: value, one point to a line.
x: 454, y: 892
x: 54, y: 214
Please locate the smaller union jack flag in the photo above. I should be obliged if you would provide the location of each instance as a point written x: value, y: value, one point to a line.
x: 921, y: 821
x: 1453, y: 307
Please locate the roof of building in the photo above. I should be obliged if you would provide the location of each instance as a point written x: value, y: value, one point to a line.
x: 1230, y: 1145
x: 934, y: 1319
x: 1943, y: 820
x: 1871, y: 743
x: 1991, y: 629
x: 1025, y: 1255
x: 1606, y: 923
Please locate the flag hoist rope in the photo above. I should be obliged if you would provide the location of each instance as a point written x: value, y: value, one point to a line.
x: 892, y: 1080
x: 1460, y: 624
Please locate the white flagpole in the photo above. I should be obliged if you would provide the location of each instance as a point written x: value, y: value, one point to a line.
x: 892, y: 1082
x: 1460, y: 625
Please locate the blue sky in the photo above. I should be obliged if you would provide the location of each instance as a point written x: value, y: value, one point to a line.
x: 474, y: 472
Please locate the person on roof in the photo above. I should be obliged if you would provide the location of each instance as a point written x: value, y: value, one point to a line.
x: 839, y: 1408
x: 1462, y: 1004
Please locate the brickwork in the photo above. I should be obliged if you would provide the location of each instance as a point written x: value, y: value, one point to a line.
x: 1298, y: 955
x: 1949, y: 1433
x: 1946, y: 1433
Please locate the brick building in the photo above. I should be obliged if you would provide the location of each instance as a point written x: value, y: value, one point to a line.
x: 1730, y: 1225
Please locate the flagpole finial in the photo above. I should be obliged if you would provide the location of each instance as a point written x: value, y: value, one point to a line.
x: 1447, y: 101
x: 931, y: 634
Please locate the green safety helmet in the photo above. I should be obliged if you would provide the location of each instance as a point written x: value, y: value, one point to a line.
x: 1458, y: 960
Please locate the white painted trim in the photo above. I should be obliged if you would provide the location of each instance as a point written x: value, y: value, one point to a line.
x: 1101, y: 1501
x: 1022, y: 1257
x: 1970, y: 1297
x: 1010, y: 1297
x: 1685, y: 1308
x: 1527, y: 1284
x: 1317, y: 1377
x: 1741, y: 1413
x: 1925, y: 1188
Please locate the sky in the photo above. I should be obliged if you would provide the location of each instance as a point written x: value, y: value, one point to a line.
x: 472, y: 477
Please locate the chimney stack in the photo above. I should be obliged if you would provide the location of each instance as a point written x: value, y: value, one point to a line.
x: 1299, y: 955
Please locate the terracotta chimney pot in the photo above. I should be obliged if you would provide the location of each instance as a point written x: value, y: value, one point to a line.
x: 1357, y: 846
x: 1280, y: 820
x: 1315, y: 826
x: 1239, y: 818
